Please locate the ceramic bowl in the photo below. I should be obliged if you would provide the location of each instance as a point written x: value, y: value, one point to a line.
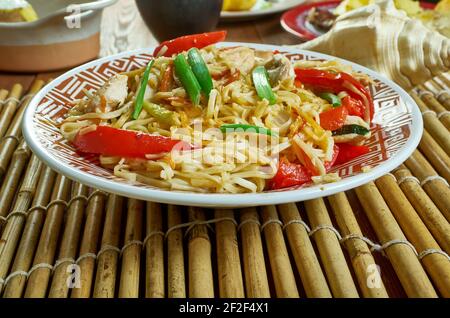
x: 65, y: 35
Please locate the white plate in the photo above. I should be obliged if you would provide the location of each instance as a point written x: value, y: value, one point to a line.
x: 396, y: 133
x: 247, y: 15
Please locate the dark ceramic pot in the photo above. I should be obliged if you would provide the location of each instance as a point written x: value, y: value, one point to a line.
x: 168, y: 19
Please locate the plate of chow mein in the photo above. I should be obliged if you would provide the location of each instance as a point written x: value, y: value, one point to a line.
x: 202, y: 122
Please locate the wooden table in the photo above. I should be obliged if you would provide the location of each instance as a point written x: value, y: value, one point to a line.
x: 123, y: 29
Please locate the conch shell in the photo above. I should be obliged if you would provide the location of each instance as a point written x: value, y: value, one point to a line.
x: 384, y: 39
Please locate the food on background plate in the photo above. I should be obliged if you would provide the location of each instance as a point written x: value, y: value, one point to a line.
x: 230, y: 120
x: 246, y: 5
x: 437, y: 19
x: 16, y: 11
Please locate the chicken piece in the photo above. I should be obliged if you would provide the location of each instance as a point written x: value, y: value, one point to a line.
x: 279, y: 68
x: 239, y: 58
x: 115, y: 90
x: 112, y: 94
x: 263, y: 57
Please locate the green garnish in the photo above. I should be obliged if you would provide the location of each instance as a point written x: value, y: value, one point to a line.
x: 246, y: 128
x: 140, y: 96
x: 262, y: 85
x: 334, y: 100
x: 200, y: 70
x: 187, y: 78
x: 160, y: 113
x: 351, y: 129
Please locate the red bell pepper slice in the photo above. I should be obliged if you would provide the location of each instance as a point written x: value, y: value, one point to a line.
x: 105, y: 140
x: 338, y: 82
x: 289, y: 174
x: 354, y: 106
x: 184, y: 43
x: 348, y: 152
x: 333, y: 118
x: 329, y: 164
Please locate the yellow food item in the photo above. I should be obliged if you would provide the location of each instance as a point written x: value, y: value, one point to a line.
x: 237, y: 5
x: 443, y: 6
x: 437, y: 19
x: 17, y: 11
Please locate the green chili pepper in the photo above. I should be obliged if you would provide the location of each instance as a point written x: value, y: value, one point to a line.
x: 351, y: 129
x: 140, y: 96
x: 334, y: 100
x: 200, y: 70
x: 244, y: 127
x: 262, y: 85
x: 160, y: 113
x: 187, y: 78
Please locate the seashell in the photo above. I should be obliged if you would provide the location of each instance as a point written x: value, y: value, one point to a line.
x: 384, y: 39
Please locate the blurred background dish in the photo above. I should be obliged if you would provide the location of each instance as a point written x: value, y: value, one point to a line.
x: 55, y: 40
x: 16, y: 11
x: 171, y: 19
x: 311, y: 20
x: 243, y: 10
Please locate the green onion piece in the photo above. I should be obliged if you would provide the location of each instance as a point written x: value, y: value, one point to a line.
x: 262, y: 85
x: 160, y: 113
x: 351, y: 129
x: 244, y: 127
x: 200, y: 70
x: 187, y: 78
x: 140, y: 96
x: 334, y: 100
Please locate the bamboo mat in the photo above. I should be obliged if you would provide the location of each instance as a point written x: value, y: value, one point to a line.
x: 57, y: 234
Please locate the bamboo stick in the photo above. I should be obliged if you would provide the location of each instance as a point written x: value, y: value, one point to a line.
x: 30, y: 236
x: 437, y: 265
x: 38, y: 279
x: 3, y: 94
x: 13, y: 177
x: 436, y: 189
x: 69, y: 243
x: 428, y: 212
x: 228, y: 260
x: 13, y: 228
x: 406, y: 265
x: 313, y: 279
x: 362, y: 260
x: 256, y: 283
x: 333, y: 260
x: 9, y: 109
x: 176, y: 286
x: 199, y: 249
x: 131, y: 256
x: 430, y: 100
x: 14, y: 132
x: 434, y: 126
x: 283, y: 276
x: 154, y: 247
x: 443, y: 96
x: 435, y: 155
x: 105, y: 280
x: 89, y: 243
x: 436, y: 107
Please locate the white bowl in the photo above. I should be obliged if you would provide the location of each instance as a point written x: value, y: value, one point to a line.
x: 396, y: 133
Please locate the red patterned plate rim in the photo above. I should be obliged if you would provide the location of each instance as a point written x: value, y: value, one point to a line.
x: 294, y: 20
x: 396, y: 133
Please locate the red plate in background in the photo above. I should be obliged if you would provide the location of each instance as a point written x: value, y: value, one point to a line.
x: 294, y: 21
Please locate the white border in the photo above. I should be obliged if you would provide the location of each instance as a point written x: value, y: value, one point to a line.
x: 228, y: 16
x: 216, y: 199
